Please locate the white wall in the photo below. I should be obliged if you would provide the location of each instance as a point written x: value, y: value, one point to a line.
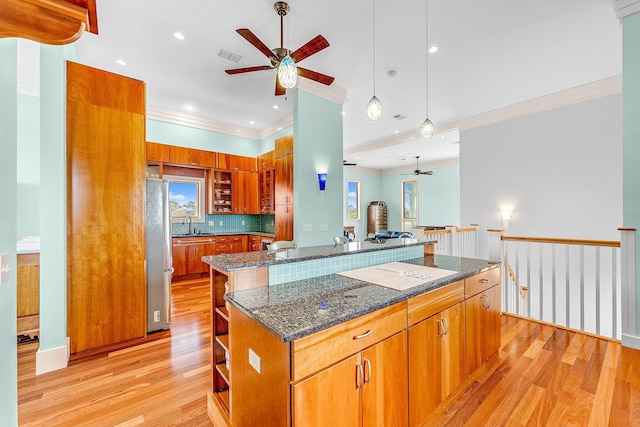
x: 560, y: 172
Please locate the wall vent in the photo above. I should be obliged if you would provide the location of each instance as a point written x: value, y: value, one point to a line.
x: 229, y: 55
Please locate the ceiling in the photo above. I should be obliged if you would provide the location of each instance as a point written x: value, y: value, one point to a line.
x: 492, y: 54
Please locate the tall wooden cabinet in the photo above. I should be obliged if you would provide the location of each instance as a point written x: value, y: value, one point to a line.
x: 283, y: 154
x: 106, y: 288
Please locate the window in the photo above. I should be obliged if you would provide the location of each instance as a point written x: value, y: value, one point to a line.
x: 409, y: 205
x: 353, y: 200
x: 186, y: 195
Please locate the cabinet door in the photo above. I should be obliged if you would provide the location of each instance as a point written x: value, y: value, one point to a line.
x: 452, y: 349
x: 283, y: 146
x: 284, y: 180
x: 179, y: 259
x: 245, y: 192
x: 200, y: 250
x: 492, y: 312
x: 329, y: 398
x: 284, y: 222
x: 474, y: 330
x: 157, y: 152
x: 192, y: 157
x: 384, y: 393
x: 425, y: 391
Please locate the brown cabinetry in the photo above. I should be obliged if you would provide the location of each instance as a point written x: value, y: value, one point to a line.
x: 283, y: 190
x: 482, y: 318
x: 245, y: 192
x: 157, y: 152
x: 221, y: 185
x: 230, y: 161
x: 231, y: 244
x: 254, y: 244
x: 105, y: 184
x: 28, y: 294
x: 192, y: 157
x: 188, y: 253
x: 265, y: 161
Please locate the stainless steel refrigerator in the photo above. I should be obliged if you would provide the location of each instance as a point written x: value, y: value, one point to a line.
x: 158, y: 263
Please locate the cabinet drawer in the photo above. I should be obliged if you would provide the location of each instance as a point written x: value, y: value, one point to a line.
x: 224, y: 248
x: 426, y: 305
x: 480, y: 282
x: 317, y: 351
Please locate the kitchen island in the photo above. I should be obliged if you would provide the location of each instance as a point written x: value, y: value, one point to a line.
x: 333, y: 350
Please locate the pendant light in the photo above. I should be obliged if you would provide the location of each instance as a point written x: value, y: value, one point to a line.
x: 287, y: 69
x: 426, y: 130
x: 374, y: 107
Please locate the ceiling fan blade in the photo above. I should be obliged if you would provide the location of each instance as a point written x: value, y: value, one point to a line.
x: 314, y: 45
x: 247, y: 69
x: 426, y: 173
x: 254, y: 40
x: 348, y: 163
x: 314, y: 75
x: 280, y: 90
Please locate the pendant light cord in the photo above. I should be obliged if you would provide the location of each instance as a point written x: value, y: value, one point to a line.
x: 374, y: 47
x: 426, y: 55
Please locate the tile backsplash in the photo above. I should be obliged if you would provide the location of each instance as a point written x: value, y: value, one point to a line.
x: 290, y: 272
x: 229, y: 224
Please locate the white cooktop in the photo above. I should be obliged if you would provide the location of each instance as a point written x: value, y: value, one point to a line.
x: 398, y: 275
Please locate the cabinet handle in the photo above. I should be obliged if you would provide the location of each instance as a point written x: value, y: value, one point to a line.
x: 367, y: 372
x: 366, y: 334
x: 488, y: 300
x: 359, y: 375
x: 440, y: 328
x: 445, y: 322
x: 483, y: 281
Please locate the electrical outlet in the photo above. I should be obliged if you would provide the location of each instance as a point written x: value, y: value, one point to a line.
x: 156, y: 316
x: 4, y: 268
x: 323, y: 227
x: 220, y: 223
x: 254, y: 360
x: 243, y: 222
x: 307, y: 227
x: 211, y: 223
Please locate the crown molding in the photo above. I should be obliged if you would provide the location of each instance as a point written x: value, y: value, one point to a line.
x: 333, y: 93
x: 276, y: 126
x: 576, y: 95
x: 182, y: 119
x: 425, y: 165
x: 626, y: 7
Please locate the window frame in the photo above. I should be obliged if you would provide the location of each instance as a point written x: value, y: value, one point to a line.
x: 200, y: 197
x: 405, y: 219
x: 357, y: 200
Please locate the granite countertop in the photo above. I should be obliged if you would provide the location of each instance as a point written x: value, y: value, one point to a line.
x: 296, y: 309
x: 250, y: 233
x: 239, y: 261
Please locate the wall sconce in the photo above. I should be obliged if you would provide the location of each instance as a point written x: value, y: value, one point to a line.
x: 322, y: 180
x: 506, y: 217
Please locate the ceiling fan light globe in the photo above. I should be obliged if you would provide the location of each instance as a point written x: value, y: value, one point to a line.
x: 287, y: 72
x: 426, y: 130
x: 374, y: 108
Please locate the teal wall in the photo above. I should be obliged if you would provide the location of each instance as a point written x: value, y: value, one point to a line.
x: 317, y: 142
x: 53, y: 219
x: 184, y: 136
x: 438, y: 197
x: 8, y: 219
x: 370, y: 190
x: 28, y: 166
x: 631, y: 134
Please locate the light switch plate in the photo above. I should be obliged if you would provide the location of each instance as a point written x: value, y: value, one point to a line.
x: 211, y: 223
x: 4, y: 268
x: 220, y: 223
x: 243, y: 222
x: 307, y: 227
x: 324, y: 227
x: 254, y: 361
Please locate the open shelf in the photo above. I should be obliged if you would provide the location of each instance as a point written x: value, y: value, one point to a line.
x: 223, y: 371
x: 222, y: 311
x: 223, y: 340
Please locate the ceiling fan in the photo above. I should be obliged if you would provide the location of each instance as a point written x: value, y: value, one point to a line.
x: 417, y: 171
x: 276, y: 55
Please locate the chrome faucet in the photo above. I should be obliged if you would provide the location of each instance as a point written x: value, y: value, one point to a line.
x: 188, y: 219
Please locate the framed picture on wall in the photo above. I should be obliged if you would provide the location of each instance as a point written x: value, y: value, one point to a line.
x: 353, y: 200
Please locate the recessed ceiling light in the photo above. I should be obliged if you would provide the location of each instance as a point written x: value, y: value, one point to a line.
x: 189, y: 107
x: 280, y: 128
x: 251, y: 122
x: 396, y: 131
x: 239, y: 130
x: 275, y: 107
x: 178, y: 36
x: 434, y: 49
x: 120, y: 62
x: 344, y: 113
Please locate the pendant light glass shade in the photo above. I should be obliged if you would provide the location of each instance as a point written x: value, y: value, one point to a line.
x: 287, y: 72
x: 374, y: 108
x: 426, y: 130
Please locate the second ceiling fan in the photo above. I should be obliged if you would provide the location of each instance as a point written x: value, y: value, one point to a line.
x: 276, y: 55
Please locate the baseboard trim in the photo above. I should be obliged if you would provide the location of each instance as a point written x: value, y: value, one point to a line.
x: 52, y: 359
x: 631, y: 341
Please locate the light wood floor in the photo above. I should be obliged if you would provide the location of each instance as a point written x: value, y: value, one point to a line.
x: 545, y: 377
